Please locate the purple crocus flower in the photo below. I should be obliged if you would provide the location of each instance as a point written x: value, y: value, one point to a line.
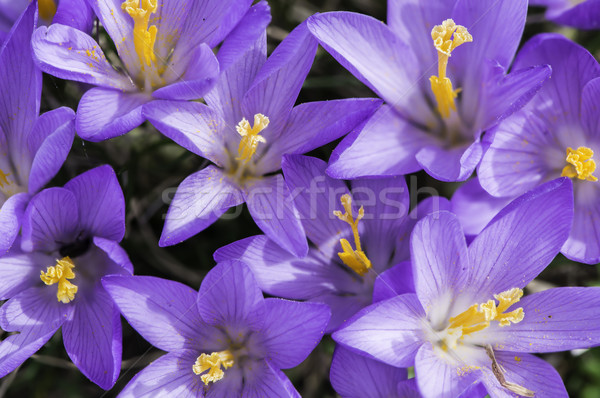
x: 32, y: 147
x: 224, y: 341
x: 556, y: 134
x: 434, y: 116
x: 355, y: 237
x: 468, y: 322
x: 165, y: 47
x: 582, y: 14
x: 249, y: 122
x: 69, y: 242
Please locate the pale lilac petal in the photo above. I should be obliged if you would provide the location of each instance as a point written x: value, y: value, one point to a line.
x: 164, y: 312
x: 11, y: 217
x: 590, y: 109
x: 263, y: 379
x: 455, y: 164
x: 525, y: 370
x: 170, y: 375
x: 389, y: 330
x: 449, y: 381
x: 271, y: 205
x: 192, y: 125
x: 522, y: 239
x: 201, y: 73
x: 199, y: 201
x: 231, y: 386
x: 49, y: 144
x: 105, y: 113
x: 394, y: 282
x: 385, y: 146
x: 314, y: 124
x: 20, y: 271
x: 92, y: 337
x: 560, y: 319
x: 70, y: 54
x: 51, y: 219
x: 292, y: 330
x: 376, y: 56
x: 280, y: 273
x: 583, y: 244
x: 474, y: 207
x: 355, y: 376
x: 230, y: 296
x: 277, y: 84
x: 17, y: 348
x: 439, y: 256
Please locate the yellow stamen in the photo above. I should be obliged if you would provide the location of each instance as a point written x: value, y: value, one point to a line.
x: 144, y: 37
x: 4, y: 179
x: 213, y: 363
x: 446, y: 37
x: 581, y: 164
x: 474, y: 319
x: 251, y: 136
x: 62, y: 271
x: 355, y: 259
x: 46, y: 9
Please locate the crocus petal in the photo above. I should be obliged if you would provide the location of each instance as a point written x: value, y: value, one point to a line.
x: 525, y: 370
x: 583, y: 15
x: 20, y: 83
x: 70, y: 54
x: 292, y: 321
x: 393, y: 282
x: 277, y: 84
x: 474, y: 207
x: 344, y: 305
x: 100, y: 201
x: 49, y: 144
x: 105, y: 113
x: 51, y: 218
x: 583, y: 244
x: 200, y: 75
x: 271, y: 205
x: 314, y: 124
x: 199, y: 201
x: 439, y: 256
x: 389, y: 330
x: 20, y: 271
x: 263, y: 379
x: 385, y: 146
x: 249, y: 29
x: 164, y: 312
x: 280, y: 273
x: 316, y: 196
x: 522, y: 239
x: 229, y: 295
x: 572, y: 67
x: 192, y: 125
x: 559, y: 319
x: 514, y: 163
x: 376, y: 56
x: 456, y: 164
x: 11, y: 217
x: 590, y: 109
x: 409, y: 389
x: 75, y: 13
x: 449, y: 381
x: 92, y: 338
x: 17, y: 348
x: 169, y: 375
x: 119, y: 262
x: 355, y: 376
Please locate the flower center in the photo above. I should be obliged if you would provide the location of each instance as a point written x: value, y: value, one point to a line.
x: 46, y: 9
x: 8, y: 186
x: 478, y: 317
x: 143, y: 36
x: 355, y: 259
x: 213, y: 363
x: 60, y: 273
x: 581, y: 164
x: 446, y: 37
x: 250, y: 136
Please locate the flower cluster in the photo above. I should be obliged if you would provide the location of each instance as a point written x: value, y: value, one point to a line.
x: 395, y: 295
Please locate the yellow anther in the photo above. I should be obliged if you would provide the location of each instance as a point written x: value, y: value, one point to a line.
x: 144, y: 37
x: 251, y: 136
x: 60, y: 273
x: 46, y: 9
x: 355, y: 259
x: 213, y: 363
x: 4, y: 179
x: 581, y: 164
x: 446, y: 37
